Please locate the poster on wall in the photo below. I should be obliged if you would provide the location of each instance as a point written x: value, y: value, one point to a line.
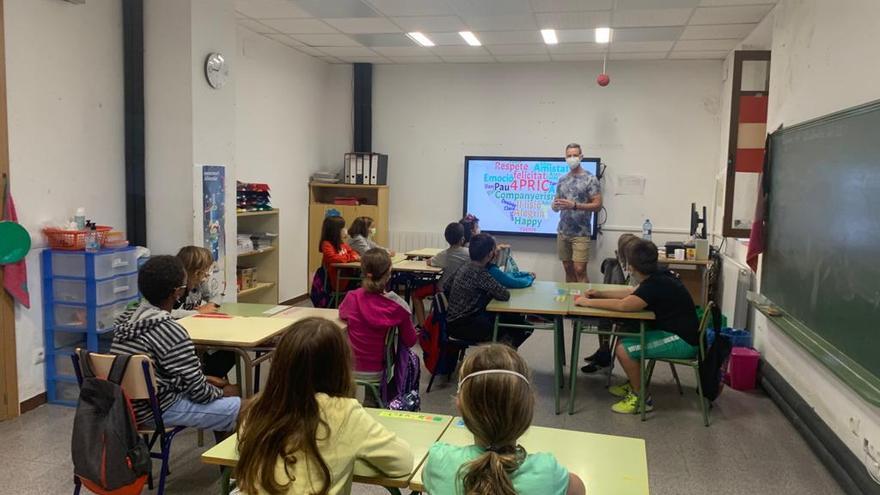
x: 210, y: 218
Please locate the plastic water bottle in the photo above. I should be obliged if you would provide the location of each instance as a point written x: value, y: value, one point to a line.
x: 647, y: 228
x: 80, y: 218
x: 92, y: 244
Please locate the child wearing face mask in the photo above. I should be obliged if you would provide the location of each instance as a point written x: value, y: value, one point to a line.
x: 673, y: 334
x: 362, y: 232
x: 335, y: 250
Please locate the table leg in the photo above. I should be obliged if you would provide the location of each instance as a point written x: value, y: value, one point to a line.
x: 575, y: 347
x: 247, y: 385
x: 557, y: 366
x: 642, y: 387
x: 559, y: 336
x: 336, y: 289
x: 225, y: 475
x: 495, y: 328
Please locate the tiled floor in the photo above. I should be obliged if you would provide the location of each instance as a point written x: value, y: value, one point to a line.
x: 750, y: 447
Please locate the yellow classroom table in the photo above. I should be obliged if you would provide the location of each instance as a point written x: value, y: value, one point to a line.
x: 584, y: 322
x: 419, y: 430
x: 419, y: 268
x: 608, y: 465
x: 545, y: 299
x: 239, y: 334
x: 251, y: 309
x: 423, y: 253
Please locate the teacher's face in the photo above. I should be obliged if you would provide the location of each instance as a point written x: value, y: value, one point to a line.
x: 573, y: 153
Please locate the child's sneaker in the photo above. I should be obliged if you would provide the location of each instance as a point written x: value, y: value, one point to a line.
x: 630, y: 405
x: 620, y: 390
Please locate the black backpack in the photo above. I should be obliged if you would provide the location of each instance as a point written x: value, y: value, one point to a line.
x: 109, y: 457
x: 714, y: 363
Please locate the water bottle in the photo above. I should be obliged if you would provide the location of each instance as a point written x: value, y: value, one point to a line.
x: 646, y: 230
x: 92, y: 244
x: 80, y: 218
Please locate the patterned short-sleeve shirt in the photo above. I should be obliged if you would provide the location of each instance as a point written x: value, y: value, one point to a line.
x: 580, y: 188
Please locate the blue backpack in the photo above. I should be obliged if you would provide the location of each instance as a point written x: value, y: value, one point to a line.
x: 320, y: 291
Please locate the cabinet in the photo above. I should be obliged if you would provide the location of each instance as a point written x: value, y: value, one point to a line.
x: 373, y: 204
x: 83, y: 293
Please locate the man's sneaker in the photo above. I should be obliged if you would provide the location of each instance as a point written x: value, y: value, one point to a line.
x: 620, y: 390
x: 630, y: 405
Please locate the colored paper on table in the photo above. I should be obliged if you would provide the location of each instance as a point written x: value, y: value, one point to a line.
x: 575, y: 292
x: 425, y: 418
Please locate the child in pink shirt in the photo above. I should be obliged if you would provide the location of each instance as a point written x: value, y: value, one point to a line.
x: 370, y: 312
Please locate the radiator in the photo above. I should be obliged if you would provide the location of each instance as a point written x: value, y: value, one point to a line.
x: 736, y: 280
x: 402, y: 242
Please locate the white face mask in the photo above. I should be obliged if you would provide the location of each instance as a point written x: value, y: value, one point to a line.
x: 372, y: 232
x: 573, y: 162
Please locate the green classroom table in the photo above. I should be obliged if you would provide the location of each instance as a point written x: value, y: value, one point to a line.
x: 607, y: 464
x: 583, y: 317
x: 419, y: 430
x: 546, y: 299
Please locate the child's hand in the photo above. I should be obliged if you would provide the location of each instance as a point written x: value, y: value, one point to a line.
x: 207, y: 308
x: 591, y: 293
x: 231, y: 391
x: 216, y: 381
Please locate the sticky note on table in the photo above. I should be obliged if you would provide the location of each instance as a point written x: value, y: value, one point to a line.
x: 560, y: 298
x: 575, y: 292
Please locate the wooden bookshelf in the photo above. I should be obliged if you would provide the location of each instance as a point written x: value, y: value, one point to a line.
x: 266, y: 261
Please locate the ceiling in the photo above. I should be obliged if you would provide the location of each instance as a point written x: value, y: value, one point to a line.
x: 374, y: 31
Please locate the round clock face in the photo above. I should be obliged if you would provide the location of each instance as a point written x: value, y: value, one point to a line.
x: 216, y: 70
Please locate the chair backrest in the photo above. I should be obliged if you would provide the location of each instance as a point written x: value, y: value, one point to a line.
x: 134, y: 382
x: 704, y: 324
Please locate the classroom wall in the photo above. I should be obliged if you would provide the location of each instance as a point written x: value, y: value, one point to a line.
x: 65, y: 111
x: 293, y: 117
x: 823, y: 55
x: 659, y: 119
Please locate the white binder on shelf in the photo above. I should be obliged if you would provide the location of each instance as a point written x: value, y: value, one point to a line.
x: 349, y: 178
x: 374, y: 168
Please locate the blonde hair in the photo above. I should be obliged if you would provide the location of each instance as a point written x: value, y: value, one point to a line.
x: 376, y: 270
x: 195, y: 259
x: 497, y: 408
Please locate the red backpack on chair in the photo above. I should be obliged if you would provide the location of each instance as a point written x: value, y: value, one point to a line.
x: 109, y: 457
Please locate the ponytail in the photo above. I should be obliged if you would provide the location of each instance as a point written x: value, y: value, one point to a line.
x: 489, y: 474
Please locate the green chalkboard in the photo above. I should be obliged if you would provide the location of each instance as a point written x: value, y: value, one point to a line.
x: 822, y: 259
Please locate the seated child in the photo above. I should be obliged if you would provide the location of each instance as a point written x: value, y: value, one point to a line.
x: 451, y: 258
x: 496, y: 402
x: 370, y: 312
x: 203, y: 295
x: 471, y: 225
x: 186, y: 396
x: 334, y: 250
x: 362, y: 231
x: 602, y: 357
x: 513, y: 278
x: 470, y: 291
x: 304, y: 432
x: 674, y: 333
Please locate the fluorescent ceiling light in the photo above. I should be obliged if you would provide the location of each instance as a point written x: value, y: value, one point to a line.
x: 549, y: 36
x: 603, y: 35
x: 420, y: 38
x: 470, y: 38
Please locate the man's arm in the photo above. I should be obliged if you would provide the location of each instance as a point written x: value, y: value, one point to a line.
x: 595, y: 204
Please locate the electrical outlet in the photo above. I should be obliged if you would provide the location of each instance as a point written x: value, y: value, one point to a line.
x: 39, y: 356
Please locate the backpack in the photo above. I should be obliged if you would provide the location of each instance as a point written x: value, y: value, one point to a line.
x: 714, y: 363
x: 404, y: 386
x: 432, y: 339
x: 320, y: 292
x: 109, y: 457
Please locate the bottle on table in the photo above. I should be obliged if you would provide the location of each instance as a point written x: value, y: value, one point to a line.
x: 647, y: 228
x: 92, y: 244
x: 80, y: 218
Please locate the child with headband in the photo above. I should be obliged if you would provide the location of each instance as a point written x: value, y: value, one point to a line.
x: 496, y: 402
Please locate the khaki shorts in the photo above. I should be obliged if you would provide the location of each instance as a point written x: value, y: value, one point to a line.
x: 575, y: 249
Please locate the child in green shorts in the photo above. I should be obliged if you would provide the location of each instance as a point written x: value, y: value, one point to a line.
x: 674, y: 333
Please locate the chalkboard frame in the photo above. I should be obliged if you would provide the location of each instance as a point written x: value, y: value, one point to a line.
x: 861, y: 380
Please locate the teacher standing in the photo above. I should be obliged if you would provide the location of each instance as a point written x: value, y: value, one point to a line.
x: 578, y: 195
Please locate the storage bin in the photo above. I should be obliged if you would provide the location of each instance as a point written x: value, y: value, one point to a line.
x: 743, y: 368
x: 102, y: 292
x: 66, y: 391
x: 738, y: 338
x: 75, y: 317
x: 106, y: 264
x: 64, y: 362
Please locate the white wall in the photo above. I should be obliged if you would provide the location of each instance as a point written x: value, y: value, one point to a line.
x: 659, y: 119
x: 65, y: 104
x: 293, y: 117
x: 822, y: 62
